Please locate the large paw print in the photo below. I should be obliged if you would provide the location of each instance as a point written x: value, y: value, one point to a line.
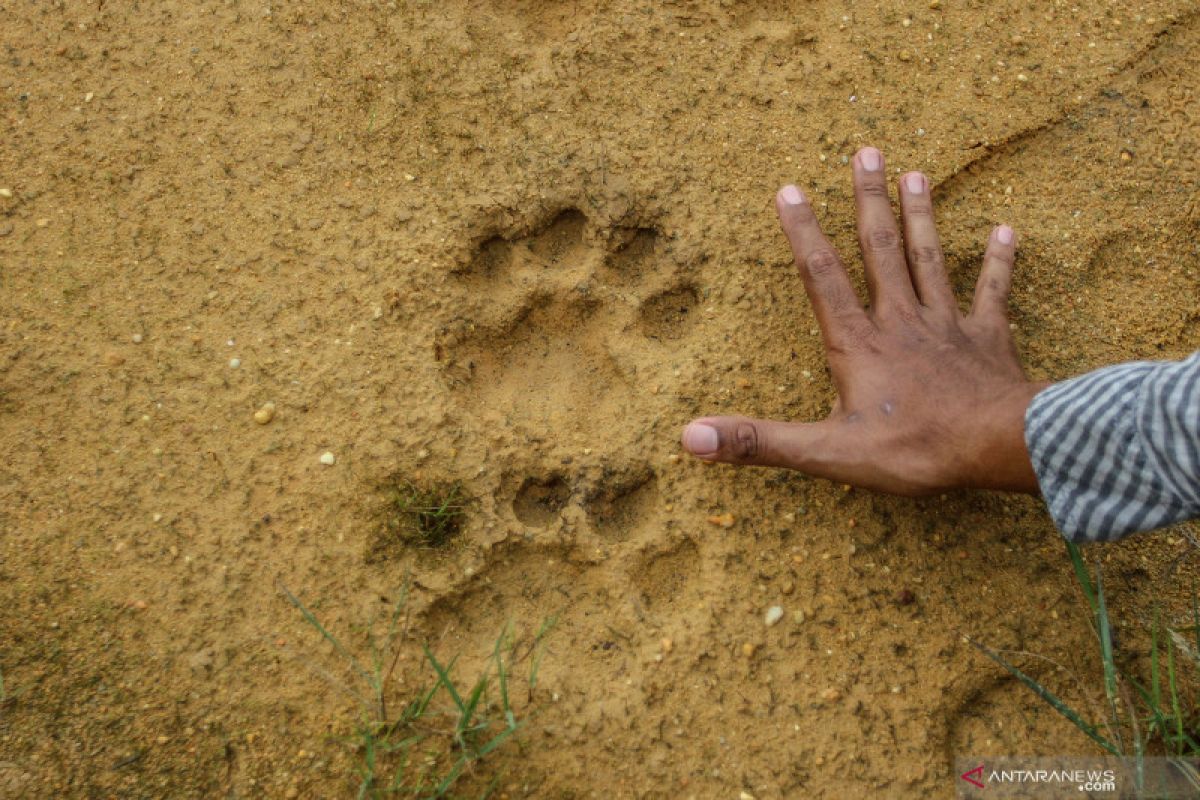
x: 567, y: 334
x: 570, y: 320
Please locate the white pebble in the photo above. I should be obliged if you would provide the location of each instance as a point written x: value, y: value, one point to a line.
x: 328, y: 458
x: 774, y: 614
x: 137, y: 338
x: 234, y: 363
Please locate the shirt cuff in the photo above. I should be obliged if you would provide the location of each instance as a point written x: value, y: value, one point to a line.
x: 1099, y: 475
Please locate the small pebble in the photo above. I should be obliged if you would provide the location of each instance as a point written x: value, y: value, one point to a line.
x: 721, y: 520
x: 113, y: 359
x: 831, y: 695
x: 328, y: 458
x: 773, y: 615
x: 667, y: 645
x: 748, y: 649
x: 43, y: 222
x: 234, y: 363
x: 265, y: 414
x: 5, y: 228
x: 136, y: 338
x: 5, y: 193
x: 905, y: 55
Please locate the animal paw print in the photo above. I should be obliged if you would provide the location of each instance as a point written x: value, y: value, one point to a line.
x: 615, y: 504
x: 571, y: 322
x: 569, y: 329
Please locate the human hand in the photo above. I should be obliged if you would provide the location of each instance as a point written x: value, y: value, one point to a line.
x: 929, y: 399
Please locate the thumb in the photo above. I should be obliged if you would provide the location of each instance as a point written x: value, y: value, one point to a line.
x: 765, y: 443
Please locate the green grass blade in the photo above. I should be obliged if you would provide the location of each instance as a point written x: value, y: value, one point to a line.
x: 451, y: 777
x: 416, y: 709
x: 1049, y: 697
x: 497, y: 740
x: 468, y: 711
x: 1155, y: 684
x: 1157, y: 720
x: 1081, y: 573
x: 1179, y: 736
x: 397, y: 611
x: 498, y: 655
x: 312, y: 620
x: 444, y: 678
x: 1106, y: 649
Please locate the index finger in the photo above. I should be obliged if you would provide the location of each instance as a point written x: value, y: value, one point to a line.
x: 836, y: 304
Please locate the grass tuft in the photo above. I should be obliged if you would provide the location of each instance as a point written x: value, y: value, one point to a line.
x: 1153, y: 715
x: 418, y: 514
x: 420, y: 747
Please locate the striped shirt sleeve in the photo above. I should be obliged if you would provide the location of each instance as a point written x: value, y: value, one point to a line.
x: 1118, y: 450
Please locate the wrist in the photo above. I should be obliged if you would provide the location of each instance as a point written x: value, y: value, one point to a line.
x: 997, y: 457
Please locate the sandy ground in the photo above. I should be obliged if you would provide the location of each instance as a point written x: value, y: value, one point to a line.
x: 518, y: 244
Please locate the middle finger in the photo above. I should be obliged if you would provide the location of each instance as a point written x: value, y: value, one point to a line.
x: 888, y: 280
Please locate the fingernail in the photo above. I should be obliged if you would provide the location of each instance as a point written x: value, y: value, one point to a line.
x: 1004, y: 234
x: 915, y: 183
x: 791, y: 195
x: 871, y: 159
x: 700, y: 440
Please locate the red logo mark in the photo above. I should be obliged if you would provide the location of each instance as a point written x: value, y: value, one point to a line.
x: 977, y: 772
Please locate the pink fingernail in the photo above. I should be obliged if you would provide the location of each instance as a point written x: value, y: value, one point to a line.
x: 1004, y: 234
x: 791, y: 195
x: 915, y: 183
x: 700, y: 439
x: 871, y: 159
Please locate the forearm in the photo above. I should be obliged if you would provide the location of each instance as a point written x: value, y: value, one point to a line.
x: 1118, y: 450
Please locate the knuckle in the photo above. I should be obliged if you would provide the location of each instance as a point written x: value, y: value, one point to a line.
x: 857, y: 337
x: 1002, y: 256
x: 902, y: 316
x: 874, y: 189
x: 918, y: 208
x: 927, y: 255
x: 840, y: 302
x: 882, y: 239
x: 822, y: 262
x: 746, y: 442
